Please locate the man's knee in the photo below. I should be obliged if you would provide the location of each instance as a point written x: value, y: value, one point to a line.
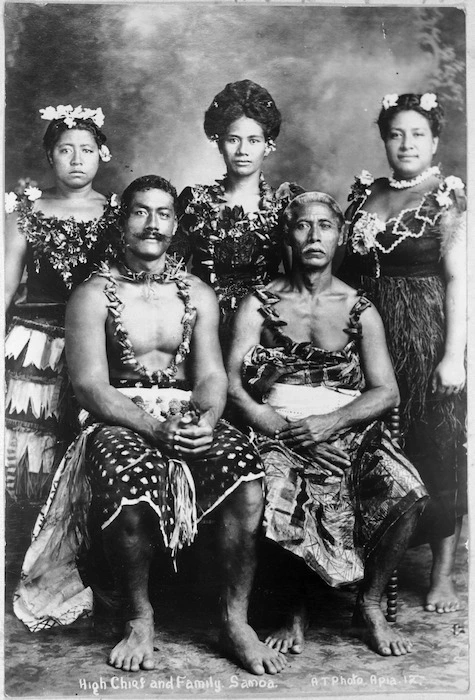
x: 131, y: 520
x: 247, y: 501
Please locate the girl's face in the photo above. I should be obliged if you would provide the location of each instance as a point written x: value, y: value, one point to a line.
x: 243, y: 147
x: 410, y: 144
x: 75, y: 158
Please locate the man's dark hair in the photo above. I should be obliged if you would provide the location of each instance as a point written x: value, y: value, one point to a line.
x: 141, y: 184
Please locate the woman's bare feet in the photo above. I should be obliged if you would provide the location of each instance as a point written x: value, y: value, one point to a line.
x: 240, y: 642
x: 135, y: 651
x: 441, y: 596
x: 370, y: 625
x: 291, y: 636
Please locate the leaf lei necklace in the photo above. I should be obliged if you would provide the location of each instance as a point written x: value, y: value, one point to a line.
x: 173, y: 272
x: 173, y: 267
x: 235, y: 222
x: 65, y: 243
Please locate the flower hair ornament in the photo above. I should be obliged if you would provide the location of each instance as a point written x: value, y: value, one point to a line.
x: 390, y: 100
x: 104, y: 154
x: 70, y: 114
x: 270, y: 146
x: 427, y: 101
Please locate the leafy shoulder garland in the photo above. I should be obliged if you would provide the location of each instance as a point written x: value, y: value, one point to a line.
x: 207, y: 212
x: 446, y: 204
x: 65, y: 243
x: 175, y: 273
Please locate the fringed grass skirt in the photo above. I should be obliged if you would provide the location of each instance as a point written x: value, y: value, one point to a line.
x: 37, y: 405
x: 434, y: 429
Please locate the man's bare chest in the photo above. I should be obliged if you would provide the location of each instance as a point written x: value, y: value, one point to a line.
x: 151, y: 318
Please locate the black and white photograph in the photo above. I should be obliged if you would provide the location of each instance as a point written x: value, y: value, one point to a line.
x: 235, y: 433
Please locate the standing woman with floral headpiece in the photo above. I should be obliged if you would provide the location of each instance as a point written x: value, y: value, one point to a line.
x: 406, y: 247
x: 232, y: 229
x: 58, y: 235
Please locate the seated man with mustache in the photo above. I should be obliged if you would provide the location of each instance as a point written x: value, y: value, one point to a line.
x: 145, y: 362
x: 309, y: 372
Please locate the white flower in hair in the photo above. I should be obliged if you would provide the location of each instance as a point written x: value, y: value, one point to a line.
x: 70, y: 114
x: 10, y: 202
x: 271, y: 145
x: 63, y: 111
x: 104, y: 154
x: 428, y: 101
x: 115, y: 201
x: 99, y: 118
x: 33, y: 193
x: 48, y: 113
x: 390, y: 100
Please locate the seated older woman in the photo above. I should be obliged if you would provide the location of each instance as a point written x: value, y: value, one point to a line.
x: 310, y: 373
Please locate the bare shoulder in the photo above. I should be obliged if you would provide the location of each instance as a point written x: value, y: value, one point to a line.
x: 12, y: 230
x: 350, y: 297
x: 200, y: 291
x: 370, y: 318
x: 91, y: 291
x: 249, y: 304
x: 203, y: 297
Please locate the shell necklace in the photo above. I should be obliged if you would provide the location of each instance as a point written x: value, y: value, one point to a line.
x: 404, y: 184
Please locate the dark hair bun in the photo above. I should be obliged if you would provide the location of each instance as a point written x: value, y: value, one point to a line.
x: 243, y: 98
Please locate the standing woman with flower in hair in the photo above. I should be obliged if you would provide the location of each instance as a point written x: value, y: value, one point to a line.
x: 58, y: 235
x: 406, y: 247
x: 232, y: 229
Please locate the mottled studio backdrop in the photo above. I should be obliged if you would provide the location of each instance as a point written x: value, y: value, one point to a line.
x: 154, y: 68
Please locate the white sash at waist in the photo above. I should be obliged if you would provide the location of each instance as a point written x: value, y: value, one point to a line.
x: 156, y: 400
x: 153, y: 399
x: 294, y: 401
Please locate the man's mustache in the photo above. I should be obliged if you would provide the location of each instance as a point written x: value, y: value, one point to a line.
x: 152, y: 233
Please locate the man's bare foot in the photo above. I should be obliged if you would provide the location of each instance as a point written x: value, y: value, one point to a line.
x: 370, y: 625
x: 291, y: 636
x: 135, y: 651
x: 240, y: 641
x: 442, y: 597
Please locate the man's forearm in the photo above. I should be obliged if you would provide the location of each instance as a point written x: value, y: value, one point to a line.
x: 209, y: 393
x: 261, y: 417
x: 107, y: 404
x: 368, y: 406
